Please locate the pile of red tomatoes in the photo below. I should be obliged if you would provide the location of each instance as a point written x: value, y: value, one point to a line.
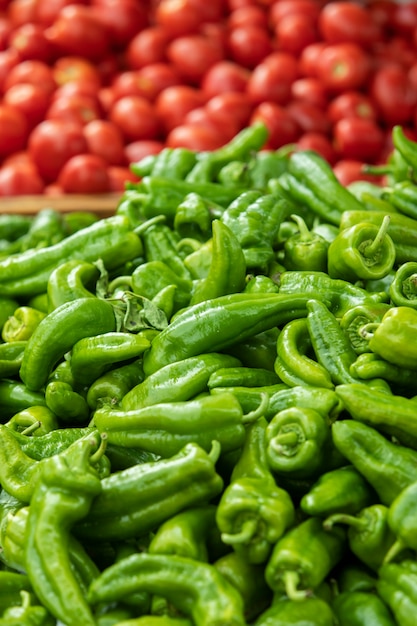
x: 89, y: 86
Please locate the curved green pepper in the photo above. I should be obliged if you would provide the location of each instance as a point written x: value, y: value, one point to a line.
x: 312, y: 611
x: 403, y: 288
x: 355, y: 318
x: 361, y: 608
x: 69, y: 281
x: 21, y: 325
x: 305, y: 250
x: 396, y: 586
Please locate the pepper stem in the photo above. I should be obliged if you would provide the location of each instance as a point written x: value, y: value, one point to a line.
x: 367, y: 330
x: 291, y: 582
x: 150, y: 222
x: 244, y: 536
x: 31, y: 428
x: 305, y: 234
x: 289, y: 438
x: 397, y: 547
x: 215, y: 451
x: 373, y: 247
x: 343, y: 518
x: 96, y: 456
x: 252, y: 416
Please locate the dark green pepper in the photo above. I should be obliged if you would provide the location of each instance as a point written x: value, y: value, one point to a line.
x: 361, y: 608
x: 312, y: 611
x: 396, y: 586
x: 305, y: 250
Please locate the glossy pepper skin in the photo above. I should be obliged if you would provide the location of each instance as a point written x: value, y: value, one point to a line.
x: 296, y: 442
x: 369, y: 535
x: 227, y: 271
x: 68, y: 405
x: 394, y: 337
x: 173, y: 163
x: 159, y: 242
x: 21, y: 325
x: 241, y: 376
x: 305, y: 250
x: 166, y: 487
x: 67, y: 485
x: 15, y: 396
x: 11, y: 356
x: 312, y: 611
x: 71, y: 280
x: 392, y: 414
x: 362, y: 252
x: 60, y: 330
x: 403, y: 289
x: 354, y: 319
x: 35, y: 420
x: 150, y: 278
x: 361, y: 608
x: 216, y: 324
x: 166, y: 427
x: 303, y: 557
x: 191, y: 377
x: 369, y: 366
x: 325, y: 401
x: 27, y: 613
x: 388, y: 467
x: 112, y: 386
x: 342, y: 490
x: 11, y: 586
x: 396, y: 586
x: 401, y: 521
x: 195, y: 588
x: 193, y: 218
x: 402, y: 195
x: 253, y: 512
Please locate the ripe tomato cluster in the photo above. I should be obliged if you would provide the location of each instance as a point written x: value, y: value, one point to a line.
x: 89, y: 86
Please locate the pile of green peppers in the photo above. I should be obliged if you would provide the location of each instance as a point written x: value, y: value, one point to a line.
x: 208, y: 400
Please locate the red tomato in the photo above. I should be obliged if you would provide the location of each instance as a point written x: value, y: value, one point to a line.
x: 51, y: 143
x: 147, y: 46
x: 84, y: 173
x: 130, y: 83
x: 77, y: 31
x: 308, y: 58
x: 5, y: 30
x: 309, y: 117
x: 137, y: 150
x: 393, y: 94
x: 320, y: 143
x: 343, y: 66
x: 76, y: 87
x: 68, y: 69
x: 283, y: 8
x: 219, y: 123
x: 294, y: 32
x: 157, y: 77
x: 33, y: 71
x: 173, y: 104
x: 194, y: 137
x: 177, y: 17
x: 47, y: 11
x: 135, y: 117
x: 282, y: 128
x: 76, y: 108
x: 358, y: 138
x: 404, y: 18
x: 8, y: 59
x: 272, y: 79
x: 13, y: 130
x: 30, y: 43
x: 119, y: 176
x: 351, y: 104
x: 210, y: 12
x: 225, y: 76
x: 253, y: 15
x: 193, y: 55
x: 309, y: 90
x: 341, y: 22
x: 233, y: 104
x: 249, y: 45
x: 123, y: 19
x: 105, y: 139
x: 20, y: 178
x: 349, y: 170
x: 22, y: 12
x: 382, y: 12
x: 31, y: 100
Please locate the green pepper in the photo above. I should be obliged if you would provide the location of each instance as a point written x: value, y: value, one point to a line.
x: 396, y: 586
x: 166, y: 427
x: 114, y: 385
x: 16, y: 396
x: 148, y: 279
x: 403, y: 196
x: 369, y: 535
x: 340, y: 295
x: 403, y: 288
x: 355, y: 318
x: 111, y: 239
x: 216, y: 324
x: 160, y: 245
x: 7, y: 307
x: 402, y: 230
x: 364, y: 251
x: 173, y: 163
x: 191, y: 376
x: 253, y: 512
x: 303, y: 558
x: 11, y: 586
x: 325, y: 401
x: 21, y: 325
x: 11, y: 356
x: 166, y: 487
x: 227, y: 269
x: 249, y: 581
x: 198, y: 260
x: 312, y: 611
x: 388, y: 467
x: 59, y: 331
x: 391, y: 414
x: 254, y: 218
x: 69, y: 281
x: 355, y: 576
x: 342, y: 490
x: 361, y: 608
x: 292, y: 364
x: 38, y: 420
x: 242, y: 377
x: 67, y: 404
x: 260, y: 284
x: 197, y: 589
x: 67, y: 484
x: 405, y: 146
x: 305, y: 250
x: 193, y: 217
x: 14, y: 225
x: 370, y: 366
x: 76, y: 220
x: 296, y: 442
x: 401, y: 521
x: 257, y: 351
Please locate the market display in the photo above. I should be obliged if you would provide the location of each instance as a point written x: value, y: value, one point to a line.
x: 208, y: 399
